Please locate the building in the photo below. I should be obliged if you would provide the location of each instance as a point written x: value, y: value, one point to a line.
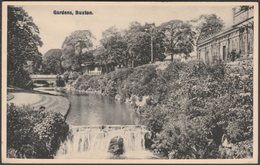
x: 92, y: 69
x: 237, y: 39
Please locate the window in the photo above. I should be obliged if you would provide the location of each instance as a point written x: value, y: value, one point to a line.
x: 207, y: 57
x: 199, y: 54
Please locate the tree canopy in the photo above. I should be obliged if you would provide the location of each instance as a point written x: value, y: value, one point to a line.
x: 52, y: 61
x: 73, y: 47
x: 132, y: 47
x: 22, y: 41
x: 208, y: 25
x: 115, y: 46
x: 178, y: 37
x: 138, y: 44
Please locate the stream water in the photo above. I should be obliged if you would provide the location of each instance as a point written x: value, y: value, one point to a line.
x: 95, y: 109
x: 94, y: 121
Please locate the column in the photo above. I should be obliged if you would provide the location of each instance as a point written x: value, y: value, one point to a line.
x: 228, y: 48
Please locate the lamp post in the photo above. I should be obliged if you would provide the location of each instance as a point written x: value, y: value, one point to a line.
x: 151, y: 48
x: 151, y: 30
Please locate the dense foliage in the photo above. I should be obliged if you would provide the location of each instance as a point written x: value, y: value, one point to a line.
x: 33, y: 133
x: 207, y: 25
x: 193, y: 110
x: 113, y: 50
x: 22, y: 41
x: 130, y: 47
x: 204, y: 104
x: 52, y: 62
x: 75, y: 49
x: 143, y: 42
x: 178, y: 37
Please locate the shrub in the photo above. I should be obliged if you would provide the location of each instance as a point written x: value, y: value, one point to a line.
x: 139, y: 82
x: 33, y: 133
x: 202, y: 104
x: 240, y: 150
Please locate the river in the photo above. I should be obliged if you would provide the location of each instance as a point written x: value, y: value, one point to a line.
x: 93, y: 109
x: 94, y: 121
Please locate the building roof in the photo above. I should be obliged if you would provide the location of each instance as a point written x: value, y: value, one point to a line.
x: 242, y: 22
x: 205, y: 40
x: 210, y: 37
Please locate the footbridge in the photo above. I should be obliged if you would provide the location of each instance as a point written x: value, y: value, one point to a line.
x: 35, y: 77
x: 51, y: 79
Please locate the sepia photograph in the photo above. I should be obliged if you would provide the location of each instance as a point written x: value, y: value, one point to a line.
x: 129, y: 82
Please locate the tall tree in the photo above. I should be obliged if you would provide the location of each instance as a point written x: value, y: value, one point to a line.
x: 73, y: 47
x: 102, y: 57
x: 138, y: 48
x: 178, y: 37
x: 143, y: 40
x: 115, y: 45
x: 86, y: 56
x: 207, y: 25
x: 22, y: 45
x: 52, y: 61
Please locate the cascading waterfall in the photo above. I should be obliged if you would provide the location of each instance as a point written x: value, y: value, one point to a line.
x: 94, y: 141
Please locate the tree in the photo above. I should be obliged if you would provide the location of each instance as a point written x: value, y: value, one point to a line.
x: 115, y: 45
x: 139, y: 49
x: 178, y: 37
x: 22, y: 46
x: 52, y: 61
x: 73, y: 47
x: 140, y: 40
x: 138, y: 44
x: 207, y: 25
x: 102, y: 57
x: 67, y: 58
x: 86, y: 57
x: 131, y: 47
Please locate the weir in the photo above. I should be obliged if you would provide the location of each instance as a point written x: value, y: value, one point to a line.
x: 93, y: 141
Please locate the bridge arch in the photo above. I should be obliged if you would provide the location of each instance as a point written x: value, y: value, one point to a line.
x: 51, y: 79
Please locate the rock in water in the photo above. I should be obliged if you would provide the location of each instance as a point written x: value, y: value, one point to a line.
x: 116, y: 146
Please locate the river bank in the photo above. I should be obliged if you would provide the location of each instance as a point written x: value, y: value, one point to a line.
x: 133, y: 100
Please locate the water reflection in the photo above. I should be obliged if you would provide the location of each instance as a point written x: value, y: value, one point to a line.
x: 95, y: 109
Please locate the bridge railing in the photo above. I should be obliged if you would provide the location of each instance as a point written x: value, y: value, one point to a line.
x: 35, y: 76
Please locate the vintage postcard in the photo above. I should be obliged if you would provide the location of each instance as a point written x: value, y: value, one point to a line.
x: 130, y: 82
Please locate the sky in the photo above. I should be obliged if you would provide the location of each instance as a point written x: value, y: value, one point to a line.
x: 54, y: 28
